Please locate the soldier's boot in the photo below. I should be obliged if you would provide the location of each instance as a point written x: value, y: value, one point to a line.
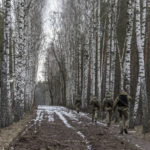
x: 125, y: 131
x: 95, y: 120
x: 96, y: 116
x: 77, y: 110
x: 92, y: 117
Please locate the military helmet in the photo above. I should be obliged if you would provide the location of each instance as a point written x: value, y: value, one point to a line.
x: 94, y: 97
x: 107, y: 94
x: 123, y: 93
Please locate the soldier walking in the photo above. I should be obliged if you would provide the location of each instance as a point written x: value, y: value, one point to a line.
x: 107, y: 106
x: 122, y: 103
x: 78, y: 103
x: 95, y: 108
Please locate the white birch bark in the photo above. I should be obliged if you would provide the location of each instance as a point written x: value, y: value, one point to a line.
x: 108, y: 52
x: 113, y: 45
x: 140, y: 36
x: 99, y: 50
x: 27, y: 38
x: 102, y: 60
x: 85, y: 83
x: 20, y: 64
x: 126, y: 64
x: 86, y: 69
x: 93, y: 49
x: 87, y: 33
x: 6, y: 93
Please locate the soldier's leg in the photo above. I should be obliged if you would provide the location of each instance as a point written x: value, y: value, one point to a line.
x: 121, y: 121
x: 77, y: 108
x: 126, y: 121
x: 107, y: 118
x: 93, y: 112
x: 96, y: 115
x: 110, y: 116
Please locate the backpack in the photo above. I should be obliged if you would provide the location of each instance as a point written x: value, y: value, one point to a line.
x: 123, y: 101
x: 96, y: 104
x: 77, y: 101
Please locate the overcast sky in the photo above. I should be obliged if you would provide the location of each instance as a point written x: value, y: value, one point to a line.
x: 0, y: 2
x: 52, y: 5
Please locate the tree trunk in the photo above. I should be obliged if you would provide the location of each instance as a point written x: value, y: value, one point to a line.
x: 6, y: 101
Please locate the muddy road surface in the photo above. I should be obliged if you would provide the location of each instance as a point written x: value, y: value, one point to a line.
x: 58, y: 128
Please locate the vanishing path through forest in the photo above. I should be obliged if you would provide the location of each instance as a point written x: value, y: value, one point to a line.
x: 58, y: 128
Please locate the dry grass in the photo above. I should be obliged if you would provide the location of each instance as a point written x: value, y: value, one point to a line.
x: 9, y: 133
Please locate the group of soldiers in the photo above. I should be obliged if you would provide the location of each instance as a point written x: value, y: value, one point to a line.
x: 121, y: 104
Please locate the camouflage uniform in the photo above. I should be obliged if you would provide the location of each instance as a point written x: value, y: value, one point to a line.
x: 108, y: 107
x: 78, y: 103
x: 122, y: 102
x: 95, y: 108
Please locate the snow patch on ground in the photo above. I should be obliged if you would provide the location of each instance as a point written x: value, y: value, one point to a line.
x: 89, y: 147
x: 71, y: 116
x: 64, y: 120
x: 132, y: 131
x: 49, y: 110
x: 139, y: 147
x: 60, y: 115
x: 101, y: 124
x: 85, y: 115
x: 63, y: 112
x: 50, y: 116
x: 39, y: 116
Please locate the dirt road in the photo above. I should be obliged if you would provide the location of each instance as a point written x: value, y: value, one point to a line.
x: 57, y: 128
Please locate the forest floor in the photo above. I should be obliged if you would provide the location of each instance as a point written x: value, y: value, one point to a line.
x: 58, y: 128
x: 8, y: 134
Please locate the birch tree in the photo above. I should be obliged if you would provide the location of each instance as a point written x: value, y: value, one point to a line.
x: 140, y: 30
x: 6, y: 102
x: 19, y: 59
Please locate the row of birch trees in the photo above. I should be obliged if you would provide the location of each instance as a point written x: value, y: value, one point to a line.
x: 99, y: 46
x: 21, y: 30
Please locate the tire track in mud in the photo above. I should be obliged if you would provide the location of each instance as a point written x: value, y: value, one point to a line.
x: 49, y: 135
x: 98, y: 135
x: 114, y: 129
x: 63, y: 129
x: 64, y: 120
